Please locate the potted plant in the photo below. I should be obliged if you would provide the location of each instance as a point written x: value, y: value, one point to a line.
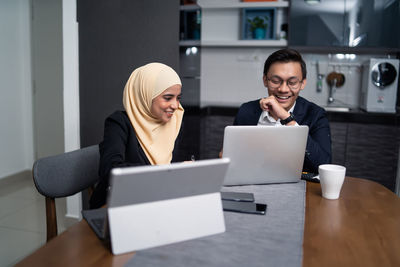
x: 258, y: 26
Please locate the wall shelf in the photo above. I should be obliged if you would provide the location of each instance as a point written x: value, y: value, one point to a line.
x: 245, y: 43
x: 220, y: 4
x: 239, y: 43
x: 190, y: 43
x: 189, y: 7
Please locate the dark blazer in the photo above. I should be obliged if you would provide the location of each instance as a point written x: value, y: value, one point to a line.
x: 318, y: 150
x: 119, y: 148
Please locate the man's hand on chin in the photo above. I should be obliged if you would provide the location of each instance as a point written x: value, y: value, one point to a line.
x: 275, y: 109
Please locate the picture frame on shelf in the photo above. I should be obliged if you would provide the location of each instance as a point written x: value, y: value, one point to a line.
x: 258, y: 24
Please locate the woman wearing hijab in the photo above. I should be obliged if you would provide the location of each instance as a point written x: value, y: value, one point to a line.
x: 145, y: 133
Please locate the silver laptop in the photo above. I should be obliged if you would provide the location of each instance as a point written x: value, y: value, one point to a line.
x: 264, y: 154
x: 137, y: 188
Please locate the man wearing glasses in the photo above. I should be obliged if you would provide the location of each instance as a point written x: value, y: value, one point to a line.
x: 284, y: 77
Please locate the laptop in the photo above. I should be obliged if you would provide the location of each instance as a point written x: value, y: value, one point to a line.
x: 264, y: 154
x: 150, y: 206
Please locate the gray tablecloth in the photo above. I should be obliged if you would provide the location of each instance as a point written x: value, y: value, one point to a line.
x: 274, y: 239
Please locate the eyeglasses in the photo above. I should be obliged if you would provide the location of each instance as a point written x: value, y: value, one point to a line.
x: 293, y: 83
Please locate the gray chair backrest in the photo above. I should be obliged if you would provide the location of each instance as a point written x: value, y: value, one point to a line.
x: 68, y: 173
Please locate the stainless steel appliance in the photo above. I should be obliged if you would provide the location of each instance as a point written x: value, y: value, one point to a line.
x: 379, y: 85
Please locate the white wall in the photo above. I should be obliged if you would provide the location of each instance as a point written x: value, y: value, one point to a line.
x: 16, y: 128
x: 71, y: 92
x: 232, y: 76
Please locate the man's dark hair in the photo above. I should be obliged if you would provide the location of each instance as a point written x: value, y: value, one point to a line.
x: 285, y: 56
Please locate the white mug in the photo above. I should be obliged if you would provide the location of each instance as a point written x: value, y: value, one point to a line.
x: 331, y: 177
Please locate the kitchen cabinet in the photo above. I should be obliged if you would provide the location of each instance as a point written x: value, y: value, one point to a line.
x: 369, y: 151
x: 222, y: 23
x: 341, y: 23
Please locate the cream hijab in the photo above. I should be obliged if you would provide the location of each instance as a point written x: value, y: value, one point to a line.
x: 145, y: 83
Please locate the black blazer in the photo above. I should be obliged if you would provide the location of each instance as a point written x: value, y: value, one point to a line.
x: 119, y: 148
x: 318, y: 150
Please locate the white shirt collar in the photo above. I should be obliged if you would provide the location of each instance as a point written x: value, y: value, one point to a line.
x: 266, y: 119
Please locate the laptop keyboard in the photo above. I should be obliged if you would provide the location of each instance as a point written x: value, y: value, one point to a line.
x: 99, y: 224
x: 97, y: 219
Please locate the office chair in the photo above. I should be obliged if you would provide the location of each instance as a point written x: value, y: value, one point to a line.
x: 64, y: 175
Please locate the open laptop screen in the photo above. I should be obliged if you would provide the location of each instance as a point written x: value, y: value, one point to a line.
x: 264, y: 154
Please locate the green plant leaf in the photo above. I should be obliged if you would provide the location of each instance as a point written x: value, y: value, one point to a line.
x: 258, y: 22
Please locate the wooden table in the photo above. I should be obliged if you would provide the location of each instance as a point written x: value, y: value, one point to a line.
x: 362, y: 228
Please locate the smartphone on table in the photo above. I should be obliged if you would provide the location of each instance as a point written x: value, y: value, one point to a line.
x: 237, y: 196
x: 244, y: 207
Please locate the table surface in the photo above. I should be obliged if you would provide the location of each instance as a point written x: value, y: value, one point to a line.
x: 361, y: 228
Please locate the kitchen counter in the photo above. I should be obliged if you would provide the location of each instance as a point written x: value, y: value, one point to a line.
x: 360, y: 116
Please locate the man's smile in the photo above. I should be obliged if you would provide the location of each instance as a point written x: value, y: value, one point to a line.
x: 283, y: 97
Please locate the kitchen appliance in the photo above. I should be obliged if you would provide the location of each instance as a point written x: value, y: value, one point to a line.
x: 379, y: 85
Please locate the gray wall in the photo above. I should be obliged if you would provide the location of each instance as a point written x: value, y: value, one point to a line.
x: 115, y: 37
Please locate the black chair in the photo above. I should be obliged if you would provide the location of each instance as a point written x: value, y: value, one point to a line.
x: 64, y: 175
